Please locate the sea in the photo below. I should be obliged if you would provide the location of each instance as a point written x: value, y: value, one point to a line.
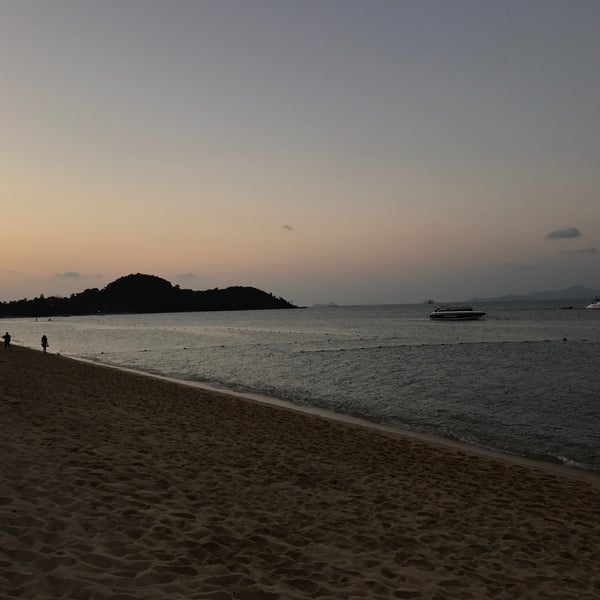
x: 524, y: 380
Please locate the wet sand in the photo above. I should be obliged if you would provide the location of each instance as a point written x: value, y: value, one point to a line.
x: 122, y: 486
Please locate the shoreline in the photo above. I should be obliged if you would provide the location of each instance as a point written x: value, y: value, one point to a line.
x: 123, y: 485
x: 517, y: 418
x: 558, y: 468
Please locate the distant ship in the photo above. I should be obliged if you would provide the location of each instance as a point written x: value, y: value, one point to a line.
x: 595, y: 303
x: 456, y: 313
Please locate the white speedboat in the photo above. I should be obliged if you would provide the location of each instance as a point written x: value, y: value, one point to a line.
x: 595, y: 303
x: 456, y: 313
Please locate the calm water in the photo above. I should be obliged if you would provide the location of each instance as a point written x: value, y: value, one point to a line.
x: 523, y: 380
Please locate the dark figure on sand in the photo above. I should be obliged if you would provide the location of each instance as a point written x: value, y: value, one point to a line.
x: 45, y: 343
x: 6, y: 338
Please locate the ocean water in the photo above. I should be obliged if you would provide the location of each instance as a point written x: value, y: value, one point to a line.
x: 523, y: 380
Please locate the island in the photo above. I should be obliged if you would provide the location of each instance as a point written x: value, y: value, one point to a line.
x: 141, y: 293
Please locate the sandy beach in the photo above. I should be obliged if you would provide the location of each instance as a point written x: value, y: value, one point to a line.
x: 121, y: 486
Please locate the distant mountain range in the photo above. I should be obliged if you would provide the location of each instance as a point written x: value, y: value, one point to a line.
x: 575, y: 292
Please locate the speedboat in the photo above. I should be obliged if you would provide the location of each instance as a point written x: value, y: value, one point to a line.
x: 456, y: 313
x: 595, y: 303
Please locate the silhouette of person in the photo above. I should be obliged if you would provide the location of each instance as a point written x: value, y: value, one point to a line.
x: 6, y: 338
x: 45, y: 343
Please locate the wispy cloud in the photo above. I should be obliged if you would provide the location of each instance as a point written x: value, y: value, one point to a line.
x: 287, y: 227
x: 186, y: 276
x: 590, y: 250
x: 569, y: 232
x: 74, y: 275
x: 69, y: 275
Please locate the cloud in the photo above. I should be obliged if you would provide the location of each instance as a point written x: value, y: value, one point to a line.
x: 590, y: 250
x: 569, y: 232
x: 74, y: 275
x: 287, y: 227
x: 186, y: 276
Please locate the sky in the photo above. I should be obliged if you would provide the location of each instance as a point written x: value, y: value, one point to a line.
x: 357, y: 152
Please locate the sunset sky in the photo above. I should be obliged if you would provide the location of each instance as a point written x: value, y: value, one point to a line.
x: 322, y: 150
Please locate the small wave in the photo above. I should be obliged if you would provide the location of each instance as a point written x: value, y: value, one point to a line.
x: 568, y: 462
x: 535, y: 456
x: 561, y: 460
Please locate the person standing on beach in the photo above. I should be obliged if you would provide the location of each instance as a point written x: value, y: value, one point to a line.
x: 6, y: 338
x: 45, y: 343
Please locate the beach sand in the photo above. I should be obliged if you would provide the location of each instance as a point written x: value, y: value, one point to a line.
x: 122, y: 486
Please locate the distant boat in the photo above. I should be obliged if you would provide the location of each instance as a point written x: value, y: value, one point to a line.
x: 456, y: 313
x: 595, y: 303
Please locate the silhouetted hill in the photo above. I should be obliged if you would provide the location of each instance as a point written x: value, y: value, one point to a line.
x: 144, y: 294
x: 575, y: 292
